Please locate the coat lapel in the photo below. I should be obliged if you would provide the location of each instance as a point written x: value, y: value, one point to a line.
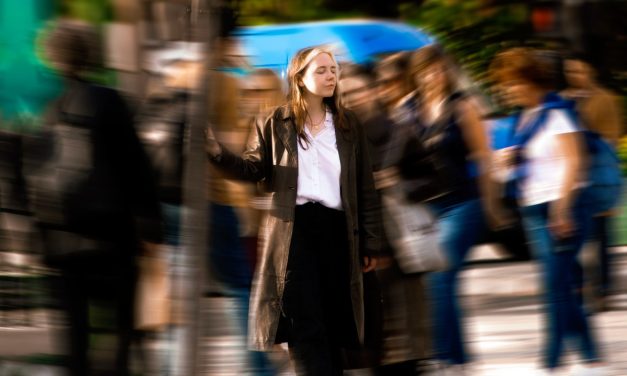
x: 287, y: 133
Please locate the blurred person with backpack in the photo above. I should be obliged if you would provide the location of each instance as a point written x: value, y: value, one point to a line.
x: 547, y: 174
x: 600, y: 111
x: 95, y: 202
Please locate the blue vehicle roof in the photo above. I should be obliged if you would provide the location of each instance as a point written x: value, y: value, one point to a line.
x: 358, y: 41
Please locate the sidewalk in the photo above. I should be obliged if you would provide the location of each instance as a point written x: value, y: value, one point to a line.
x: 503, y: 316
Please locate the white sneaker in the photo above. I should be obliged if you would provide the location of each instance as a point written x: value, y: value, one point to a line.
x: 580, y: 370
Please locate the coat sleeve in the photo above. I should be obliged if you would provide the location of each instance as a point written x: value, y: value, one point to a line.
x: 369, y: 203
x: 251, y: 166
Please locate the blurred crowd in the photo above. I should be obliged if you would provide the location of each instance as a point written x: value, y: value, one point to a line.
x: 99, y: 191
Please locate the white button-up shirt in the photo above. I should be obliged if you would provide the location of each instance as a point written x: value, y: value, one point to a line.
x: 319, y: 168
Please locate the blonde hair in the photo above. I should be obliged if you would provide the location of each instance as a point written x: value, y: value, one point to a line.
x: 295, y: 99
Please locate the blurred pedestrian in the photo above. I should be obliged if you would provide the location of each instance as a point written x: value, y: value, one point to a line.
x: 405, y: 338
x: 94, y: 200
x: 600, y: 111
x: 444, y: 136
x: 547, y: 158
x: 234, y: 223
x: 162, y: 123
x: 322, y: 229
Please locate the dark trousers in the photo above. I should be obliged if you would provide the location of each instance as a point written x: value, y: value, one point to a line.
x: 111, y: 284
x: 316, y: 300
x: 600, y: 233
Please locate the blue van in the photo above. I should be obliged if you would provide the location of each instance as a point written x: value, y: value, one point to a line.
x: 357, y: 41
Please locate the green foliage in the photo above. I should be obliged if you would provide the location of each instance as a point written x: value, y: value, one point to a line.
x: 468, y: 30
x: 622, y: 154
x: 258, y: 12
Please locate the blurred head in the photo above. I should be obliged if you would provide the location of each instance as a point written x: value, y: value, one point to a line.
x: 578, y: 72
x: 312, y: 74
x: 429, y: 71
x: 261, y: 90
x: 357, y: 90
x: 72, y: 48
x: 183, y: 74
x: 521, y: 76
x: 231, y: 54
x: 391, y: 78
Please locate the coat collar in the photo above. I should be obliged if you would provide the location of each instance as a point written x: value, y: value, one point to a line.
x: 287, y: 133
x: 286, y: 130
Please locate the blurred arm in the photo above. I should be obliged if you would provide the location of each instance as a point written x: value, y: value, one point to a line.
x: 475, y: 135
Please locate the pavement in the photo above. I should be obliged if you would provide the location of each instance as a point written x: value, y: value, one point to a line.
x: 503, y: 315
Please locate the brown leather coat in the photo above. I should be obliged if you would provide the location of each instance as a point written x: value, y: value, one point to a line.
x: 271, y: 158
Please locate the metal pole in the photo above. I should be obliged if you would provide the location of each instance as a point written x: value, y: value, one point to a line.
x: 195, y: 220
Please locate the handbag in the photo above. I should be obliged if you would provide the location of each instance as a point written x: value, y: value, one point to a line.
x: 413, y: 233
x: 153, y: 300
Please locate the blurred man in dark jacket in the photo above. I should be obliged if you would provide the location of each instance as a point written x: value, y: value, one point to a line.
x: 95, y: 201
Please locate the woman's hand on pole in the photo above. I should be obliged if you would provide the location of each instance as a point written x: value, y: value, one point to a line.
x: 212, y: 146
x: 370, y: 264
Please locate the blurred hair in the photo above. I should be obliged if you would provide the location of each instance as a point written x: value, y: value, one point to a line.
x: 276, y: 94
x: 397, y: 63
x: 396, y: 67
x: 74, y: 48
x: 579, y: 56
x: 357, y: 71
x: 425, y: 57
x: 522, y: 63
x: 267, y: 72
x: 295, y: 99
x: 353, y: 69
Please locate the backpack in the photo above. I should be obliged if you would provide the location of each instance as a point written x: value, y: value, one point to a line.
x: 603, y: 173
x: 75, y: 187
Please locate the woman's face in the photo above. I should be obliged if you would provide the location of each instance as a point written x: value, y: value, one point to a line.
x: 390, y: 85
x: 320, y: 76
x: 578, y: 74
x: 355, y: 92
x: 518, y: 92
x: 432, y: 79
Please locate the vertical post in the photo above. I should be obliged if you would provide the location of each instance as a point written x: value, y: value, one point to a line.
x: 195, y: 219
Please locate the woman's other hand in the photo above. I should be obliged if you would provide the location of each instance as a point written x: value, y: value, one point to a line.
x: 212, y: 146
x: 370, y: 263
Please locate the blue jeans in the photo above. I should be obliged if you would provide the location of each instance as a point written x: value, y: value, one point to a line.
x: 460, y: 225
x: 566, y: 317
